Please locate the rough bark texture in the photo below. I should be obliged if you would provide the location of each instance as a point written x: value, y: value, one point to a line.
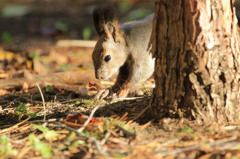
x: 197, y: 60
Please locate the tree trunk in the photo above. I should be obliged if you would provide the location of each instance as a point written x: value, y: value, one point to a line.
x: 197, y: 60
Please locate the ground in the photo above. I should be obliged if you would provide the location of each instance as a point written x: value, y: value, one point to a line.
x: 30, y: 52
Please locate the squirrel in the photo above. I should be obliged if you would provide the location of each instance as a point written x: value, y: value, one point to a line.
x: 122, y: 48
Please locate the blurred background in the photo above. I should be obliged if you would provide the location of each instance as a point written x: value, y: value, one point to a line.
x: 31, y: 29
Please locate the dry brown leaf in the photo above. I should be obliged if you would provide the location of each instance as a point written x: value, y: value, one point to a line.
x: 78, y: 118
x: 3, y: 92
x: 60, y: 59
x: 142, y: 127
x: 123, y: 117
x: 92, y: 86
x: 39, y: 68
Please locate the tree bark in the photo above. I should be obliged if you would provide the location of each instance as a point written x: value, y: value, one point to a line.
x: 196, y: 46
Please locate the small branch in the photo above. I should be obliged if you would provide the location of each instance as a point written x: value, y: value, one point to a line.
x: 89, y: 119
x: 180, y: 150
x: 138, y: 115
x: 128, y: 133
x: 105, y: 138
x: 30, y: 122
x: 165, y: 144
x: 14, y: 126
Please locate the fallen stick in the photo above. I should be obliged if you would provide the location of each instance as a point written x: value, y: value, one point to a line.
x: 62, y: 77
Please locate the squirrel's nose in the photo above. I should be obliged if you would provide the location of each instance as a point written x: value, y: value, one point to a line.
x: 98, y: 76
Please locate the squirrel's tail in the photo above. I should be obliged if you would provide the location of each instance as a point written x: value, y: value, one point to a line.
x: 102, y: 15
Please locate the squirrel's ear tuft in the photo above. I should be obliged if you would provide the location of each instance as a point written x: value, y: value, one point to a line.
x: 105, y: 21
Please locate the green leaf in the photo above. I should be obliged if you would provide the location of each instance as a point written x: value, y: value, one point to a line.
x: 71, y: 137
x: 85, y: 132
x: 186, y: 129
x: 7, y: 38
x: 76, y: 103
x: 211, y: 129
x: 40, y: 146
x: 41, y: 128
x: 77, y: 142
x: 62, y: 148
x: 87, y: 33
x: 49, y: 88
x: 33, y: 55
x: 4, y: 140
x: 64, y: 67
x: 119, y: 155
x: 124, y: 6
x: 193, y: 136
x: 51, y: 134
x: 33, y: 138
x: 10, y: 11
x: 4, y: 147
x: 115, y: 101
x: 238, y: 147
x: 61, y: 26
x: 34, y: 115
x: 43, y: 148
x: 137, y: 14
x: 234, y: 157
x: 11, y: 151
x: 21, y: 109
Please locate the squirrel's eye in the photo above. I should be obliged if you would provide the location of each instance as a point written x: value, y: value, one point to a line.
x: 107, y: 58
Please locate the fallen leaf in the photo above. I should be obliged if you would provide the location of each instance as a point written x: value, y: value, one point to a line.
x: 38, y: 67
x: 3, y: 92
x: 78, y: 118
x: 92, y: 86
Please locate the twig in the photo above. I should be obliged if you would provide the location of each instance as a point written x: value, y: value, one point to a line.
x: 138, y: 115
x: 105, y: 138
x: 129, y: 98
x: 165, y: 144
x: 223, y: 141
x: 14, y: 126
x: 44, y: 117
x: 89, y: 119
x: 98, y: 146
x: 176, y: 151
x: 30, y: 122
x: 128, y: 133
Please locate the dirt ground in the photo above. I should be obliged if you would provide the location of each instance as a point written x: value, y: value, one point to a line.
x: 30, y: 52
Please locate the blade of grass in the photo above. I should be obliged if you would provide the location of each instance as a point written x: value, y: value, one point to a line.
x: 44, y: 118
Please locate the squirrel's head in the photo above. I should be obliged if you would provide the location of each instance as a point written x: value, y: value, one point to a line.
x: 110, y: 51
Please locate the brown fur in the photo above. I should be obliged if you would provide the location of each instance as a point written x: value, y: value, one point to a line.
x: 127, y: 45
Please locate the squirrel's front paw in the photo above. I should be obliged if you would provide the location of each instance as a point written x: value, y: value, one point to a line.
x: 102, y: 93
x: 122, y: 93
